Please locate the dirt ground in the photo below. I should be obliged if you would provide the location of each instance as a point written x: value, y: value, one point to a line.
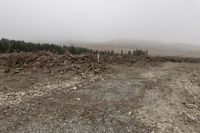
x: 132, y: 98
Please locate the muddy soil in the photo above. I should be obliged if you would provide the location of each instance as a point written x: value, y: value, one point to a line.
x: 135, y: 99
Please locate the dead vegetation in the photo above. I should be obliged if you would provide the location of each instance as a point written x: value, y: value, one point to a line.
x: 79, y: 64
x: 47, y: 60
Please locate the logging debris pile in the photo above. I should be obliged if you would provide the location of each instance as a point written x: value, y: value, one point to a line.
x: 68, y: 62
x: 81, y: 63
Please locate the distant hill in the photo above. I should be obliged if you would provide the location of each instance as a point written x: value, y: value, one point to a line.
x: 154, y: 48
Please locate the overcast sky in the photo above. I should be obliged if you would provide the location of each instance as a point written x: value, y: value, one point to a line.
x: 99, y: 20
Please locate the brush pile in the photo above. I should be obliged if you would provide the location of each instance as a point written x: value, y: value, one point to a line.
x: 41, y: 60
x: 80, y: 64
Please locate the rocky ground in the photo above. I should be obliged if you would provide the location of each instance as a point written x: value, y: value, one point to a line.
x: 111, y: 98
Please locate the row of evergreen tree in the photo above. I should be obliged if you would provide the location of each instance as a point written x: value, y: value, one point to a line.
x: 9, y: 46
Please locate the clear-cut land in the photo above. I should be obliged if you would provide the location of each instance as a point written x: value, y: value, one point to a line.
x: 45, y: 92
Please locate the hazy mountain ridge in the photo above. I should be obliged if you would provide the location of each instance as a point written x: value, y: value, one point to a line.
x: 154, y: 47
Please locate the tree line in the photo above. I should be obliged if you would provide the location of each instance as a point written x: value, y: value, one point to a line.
x: 9, y: 46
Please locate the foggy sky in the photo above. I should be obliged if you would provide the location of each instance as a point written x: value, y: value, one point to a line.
x: 100, y: 20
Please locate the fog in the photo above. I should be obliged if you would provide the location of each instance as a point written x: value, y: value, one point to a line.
x: 100, y: 20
